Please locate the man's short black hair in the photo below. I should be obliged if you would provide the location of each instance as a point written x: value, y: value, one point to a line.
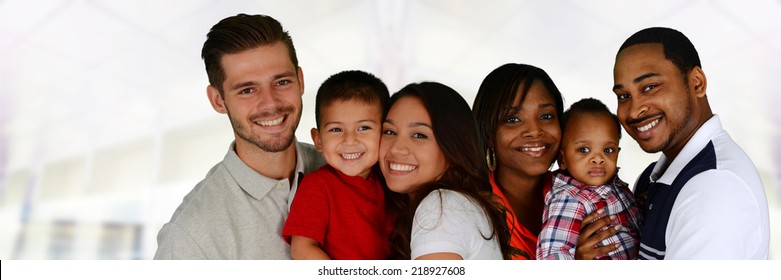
x: 677, y: 47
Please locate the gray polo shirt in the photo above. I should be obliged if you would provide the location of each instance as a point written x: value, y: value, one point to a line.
x: 234, y: 213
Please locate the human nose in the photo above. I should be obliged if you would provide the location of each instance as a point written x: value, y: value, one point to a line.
x: 395, y: 146
x: 350, y: 137
x: 598, y: 159
x: 533, y: 129
x: 637, y: 109
x: 267, y: 99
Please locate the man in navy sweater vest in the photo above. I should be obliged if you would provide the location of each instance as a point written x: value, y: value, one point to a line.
x: 703, y: 198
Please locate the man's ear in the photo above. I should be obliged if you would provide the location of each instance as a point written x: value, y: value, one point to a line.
x: 316, y: 139
x: 562, y: 162
x: 215, y: 98
x: 301, y: 79
x: 697, y: 81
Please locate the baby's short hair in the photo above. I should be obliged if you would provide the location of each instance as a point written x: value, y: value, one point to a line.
x: 591, y: 106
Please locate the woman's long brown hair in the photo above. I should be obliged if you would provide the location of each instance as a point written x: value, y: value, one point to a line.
x: 456, y: 134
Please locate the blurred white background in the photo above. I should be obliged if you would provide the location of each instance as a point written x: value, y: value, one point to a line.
x: 105, y: 124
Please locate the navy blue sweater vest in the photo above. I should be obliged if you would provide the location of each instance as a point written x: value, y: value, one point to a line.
x: 661, y: 198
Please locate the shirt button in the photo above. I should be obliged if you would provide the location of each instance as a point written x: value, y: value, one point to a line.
x: 650, y: 206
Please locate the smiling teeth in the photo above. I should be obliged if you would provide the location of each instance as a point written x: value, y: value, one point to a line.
x: 648, y: 126
x: 352, y: 156
x: 534, y: 149
x: 402, y: 167
x: 271, y: 122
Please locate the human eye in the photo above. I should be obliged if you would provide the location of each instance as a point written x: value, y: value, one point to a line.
x: 389, y: 132
x: 622, y: 96
x: 335, y: 129
x: 547, y: 116
x: 418, y: 135
x: 609, y: 150
x: 512, y: 119
x: 583, y: 150
x: 246, y: 91
x: 283, y: 82
x: 648, y: 88
x: 364, y: 128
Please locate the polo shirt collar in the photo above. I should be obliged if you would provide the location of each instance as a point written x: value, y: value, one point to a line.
x: 301, y: 168
x: 252, y: 182
x: 698, y: 142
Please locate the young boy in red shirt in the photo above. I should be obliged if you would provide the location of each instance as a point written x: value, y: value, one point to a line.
x: 339, y: 210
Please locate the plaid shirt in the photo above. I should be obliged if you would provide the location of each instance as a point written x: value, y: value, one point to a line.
x: 569, y: 201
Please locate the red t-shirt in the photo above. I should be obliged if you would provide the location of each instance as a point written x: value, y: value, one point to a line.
x: 522, y: 238
x: 345, y: 214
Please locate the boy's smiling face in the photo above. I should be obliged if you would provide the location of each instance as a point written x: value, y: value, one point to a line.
x: 589, y: 148
x: 349, y: 136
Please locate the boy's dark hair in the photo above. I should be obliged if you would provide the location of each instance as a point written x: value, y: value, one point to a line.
x: 350, y: 85
x: 677, y: 47
x: 588, y: 106
x: 239, y: 33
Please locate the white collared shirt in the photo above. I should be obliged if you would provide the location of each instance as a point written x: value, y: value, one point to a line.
x: 720, y: 213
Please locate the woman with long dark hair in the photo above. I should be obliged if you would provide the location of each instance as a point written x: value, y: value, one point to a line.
x: 431, y: 159
x: 517, y: 109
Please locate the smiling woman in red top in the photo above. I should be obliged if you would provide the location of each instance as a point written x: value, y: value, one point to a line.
x: 517, y: 110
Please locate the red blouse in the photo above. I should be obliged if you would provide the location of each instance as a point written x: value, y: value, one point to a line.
x: 522, y: 238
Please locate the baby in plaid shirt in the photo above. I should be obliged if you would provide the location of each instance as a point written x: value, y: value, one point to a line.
x: 588, y: 181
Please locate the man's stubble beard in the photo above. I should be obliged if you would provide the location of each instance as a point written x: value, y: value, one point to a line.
x: 277, y: 144
x: 678, y: 129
